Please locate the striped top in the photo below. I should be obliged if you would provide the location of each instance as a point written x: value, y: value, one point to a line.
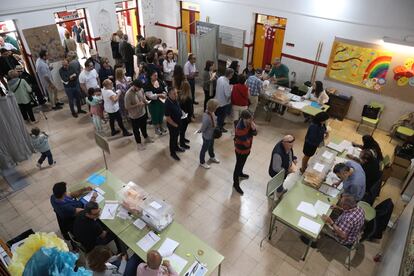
x: 243, y: 138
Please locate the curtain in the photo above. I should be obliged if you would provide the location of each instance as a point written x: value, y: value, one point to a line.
x: 205, y: 48
x: 182, y: 48
x: 15, y: 142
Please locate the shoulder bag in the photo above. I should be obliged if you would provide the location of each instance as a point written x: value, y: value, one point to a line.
x: 217, y: 133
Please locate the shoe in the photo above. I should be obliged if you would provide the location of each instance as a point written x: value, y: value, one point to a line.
x: 140, y: 147
x: 214, y: 160
x: 163, y: 130
x: 180, y: 149
x: 115, y: 132
x: 194, y: 102
x: 280, y: 194
x: 245, y: 176
x: 59, y: 103
x: 184, y: 146
x: 149, y: 140
x: 238, y: 189
x: 186, y: 140
x: 82, y: 111
x: 54, y: 163
x: 205, y: 166
x: 224, y: 130
x: 306, y: 241
x: 75, y: 115
x: 175, y: 157
x: 39, y: 165
x: 56, y: 107
x: 126, y: 134
x: 158, y: 131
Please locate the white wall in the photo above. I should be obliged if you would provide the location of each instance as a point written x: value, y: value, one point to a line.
x: 312, y: 21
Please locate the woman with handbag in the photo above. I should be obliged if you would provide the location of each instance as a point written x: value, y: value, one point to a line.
x: 209, y: 131
x: 23, y: 93
x: 239, y: 98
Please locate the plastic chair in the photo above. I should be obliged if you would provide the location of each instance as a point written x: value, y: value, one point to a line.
x: 372, y: 122
x: 403, y: 131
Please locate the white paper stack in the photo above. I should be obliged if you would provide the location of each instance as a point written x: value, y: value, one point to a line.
x: 328, y: 190
x: 109, y: 210
x: 99, y: 198
x: 318, y: 167
x: 335, y: 147
x: 307, y: 209
x: 140, y: 224
x: 331, y: 178
x: 321, y: 207
x: 168, y: 247
x: 177, y: 262
x: 327, y: 155
x: 148, y: 241
x: 309, y: 225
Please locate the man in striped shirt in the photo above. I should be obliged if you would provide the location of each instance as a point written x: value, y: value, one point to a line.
x: 243, y: 139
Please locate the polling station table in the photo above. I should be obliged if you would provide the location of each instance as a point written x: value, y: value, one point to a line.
x: 291, y: 101
x: 190, y: 249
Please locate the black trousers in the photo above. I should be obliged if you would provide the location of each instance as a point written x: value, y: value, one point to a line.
x: 238, y: 169
x: 49, y: 156
x: 116, y: 116
x: 192, y: 86
x: 174, y: 133
x: 27, y: 112
x: 206, y: 98
x: 110, y: 236
x: 129, y: 67
x: 183, y: 129
x: 137, y: 125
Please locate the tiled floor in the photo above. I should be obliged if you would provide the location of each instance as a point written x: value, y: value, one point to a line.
x: 204, y: 200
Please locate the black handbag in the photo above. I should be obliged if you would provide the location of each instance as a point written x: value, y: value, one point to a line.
x: 217, y: 133
x: 370, y: 111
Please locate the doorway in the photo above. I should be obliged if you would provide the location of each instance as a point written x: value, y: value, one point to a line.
x: 66, y: 21
x: 269, y: 33
x: 190, y: 14
x: 128, y: 19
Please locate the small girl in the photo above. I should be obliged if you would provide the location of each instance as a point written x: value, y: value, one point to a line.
x: 41, y: 144
x: 95, y: 102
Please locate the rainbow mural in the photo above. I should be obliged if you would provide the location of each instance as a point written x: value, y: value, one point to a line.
x: 359, y: 65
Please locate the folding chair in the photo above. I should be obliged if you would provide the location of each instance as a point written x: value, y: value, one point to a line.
x: 402, y: 131
x: 372, y: 122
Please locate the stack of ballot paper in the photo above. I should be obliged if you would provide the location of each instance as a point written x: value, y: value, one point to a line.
x: 176, y: 262
x: 313, y: 210
x: 148, y: 241
x: 168, y: 247
x: 309, y: 225
x: 328, y: 190
x: 109, y: 210
x: 331, y: 178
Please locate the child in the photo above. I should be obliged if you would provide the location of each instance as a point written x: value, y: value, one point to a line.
x: 41, y: 144
x: 95, y: 102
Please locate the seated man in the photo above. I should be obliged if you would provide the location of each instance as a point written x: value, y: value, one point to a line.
x: 89, y: 231
x: 283, y: 158
x: 348, y: 225
x: 66, y: 206
x: 153, y: 266
x: 352, y: 176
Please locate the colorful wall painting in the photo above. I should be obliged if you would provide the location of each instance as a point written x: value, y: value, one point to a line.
x: 361, y: 65
x: 404, y: 74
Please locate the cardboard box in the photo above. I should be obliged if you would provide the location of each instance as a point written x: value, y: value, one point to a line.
x: 401, y: 161
x: 399, y: 172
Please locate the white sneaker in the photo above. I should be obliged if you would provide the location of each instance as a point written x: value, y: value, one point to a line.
x: 149, y: 140
x: 205, y: 166
x: 214, y: 160
x: 140, y: 147
x: 39, y: 165
x: 158, y: 131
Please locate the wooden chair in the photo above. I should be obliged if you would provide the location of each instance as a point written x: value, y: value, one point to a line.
x: 372, y: 122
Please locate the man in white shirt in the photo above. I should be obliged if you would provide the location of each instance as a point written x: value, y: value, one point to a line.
x: 62, y: 30
x: 223, y: 96
x: 88, y: 77
x: 45, y: 76
x: 190, y: 72
x: 111, y: 106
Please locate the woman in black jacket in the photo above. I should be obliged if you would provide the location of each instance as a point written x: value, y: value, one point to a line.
x: 186, y: 104
x: 235, y: 66
x: 115, y: 48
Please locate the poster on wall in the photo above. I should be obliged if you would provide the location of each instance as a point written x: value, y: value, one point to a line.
x: 45, y: 37
x: 366, y: 65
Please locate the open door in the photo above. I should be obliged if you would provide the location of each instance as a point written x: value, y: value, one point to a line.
x: 269, y: 33
x: 190, y: 14
x: 128, y: 19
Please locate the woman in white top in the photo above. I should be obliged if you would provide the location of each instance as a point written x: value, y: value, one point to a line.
x: 317, y: 94
x: 111, y: 107
x: 168, y: 67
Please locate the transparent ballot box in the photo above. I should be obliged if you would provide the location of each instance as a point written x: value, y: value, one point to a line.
x: 132, y: 197
x: 157, y: 213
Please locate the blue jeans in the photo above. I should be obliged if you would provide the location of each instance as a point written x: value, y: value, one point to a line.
x: 222, y: 112
x: 208, y: 145
x: 73, y: 94
x: 49, y: 156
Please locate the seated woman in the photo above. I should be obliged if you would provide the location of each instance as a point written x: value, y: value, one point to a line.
x: 103, y: 263
x: 316, y: 93
x: 368, y: 142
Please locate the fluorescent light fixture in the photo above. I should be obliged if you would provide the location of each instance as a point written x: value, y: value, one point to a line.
x: 403, y: 41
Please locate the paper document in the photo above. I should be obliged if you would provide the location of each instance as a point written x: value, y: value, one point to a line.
x: 327, y: 155
x: 109, y: 210
x: 309, y: 225
x: 196, y: 269
x: 328, y: 190
x: 155, y: 205
x: 340, y: 160
x: 335, y: 147
x: 307, y: 209
x: 123, y: 213
x: 177, y: 262
x: 340, y: 186
x: 88, y: 197
x: 298, y: 105
x: 168, y: 247
x: 140, y: 224
x: 148, y: 241
x: 331, y: 178
x: 99, y: 190
x: 321, y: 207
x: 318, y: 167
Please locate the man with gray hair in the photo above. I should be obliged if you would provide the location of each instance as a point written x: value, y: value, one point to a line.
x: 352, y: 176
x: 127, y: 53
x: 348, y: 225
x: 223, y: 96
